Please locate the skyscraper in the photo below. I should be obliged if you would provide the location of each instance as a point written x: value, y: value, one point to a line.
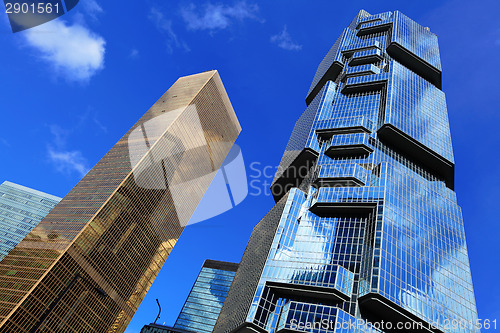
x: 88, y: 264
x: 21, y: 209
x: 366, y: 234
x: 204, y: 302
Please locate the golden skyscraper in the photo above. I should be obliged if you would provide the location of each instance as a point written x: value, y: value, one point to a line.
x: 114, y: 230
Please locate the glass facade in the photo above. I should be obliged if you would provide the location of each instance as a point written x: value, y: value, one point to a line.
x: 203, y: 305
x: 21, y: 209
x: 117, y: 226
x: 205, y: 300
x: 370, y: 232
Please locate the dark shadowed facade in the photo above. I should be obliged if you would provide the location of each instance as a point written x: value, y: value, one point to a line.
x: 117, y: 226
x: 366, y: 228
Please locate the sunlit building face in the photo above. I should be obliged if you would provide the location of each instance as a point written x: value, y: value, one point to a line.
x: 117, y: 226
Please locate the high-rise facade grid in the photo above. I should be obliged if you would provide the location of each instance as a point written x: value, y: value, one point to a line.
x: 89, y: 263
x: 366, y: 226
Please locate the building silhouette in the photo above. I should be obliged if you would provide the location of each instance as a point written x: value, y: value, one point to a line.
x: 21, y: 209
x: 89, y: 263
x: 366, y: 234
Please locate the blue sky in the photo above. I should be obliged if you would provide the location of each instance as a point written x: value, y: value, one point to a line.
x: 72, y: 87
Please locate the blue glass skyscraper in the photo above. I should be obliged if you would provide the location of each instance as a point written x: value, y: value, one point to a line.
x: 203, y: 305
x: 366, y: 234
x: 205, y: 300
x: 21, y: 209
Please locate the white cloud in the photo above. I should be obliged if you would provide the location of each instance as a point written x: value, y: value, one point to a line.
x: 4, y: 142
x: 99, y: 124
x: 92, y: 8
x: 59, y: 135
x: 284, y: 40
x: 65, y: 161
x: 217, y: 17
x: 134, y: 53
x: 164, y: 25
x: 72, y: 50
x: 68, y: 161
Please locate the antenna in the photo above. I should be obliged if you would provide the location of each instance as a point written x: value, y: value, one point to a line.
x: 159, y: 311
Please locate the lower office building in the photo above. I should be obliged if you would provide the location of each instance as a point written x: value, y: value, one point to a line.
x: 21, y: 209
x: 156, y: 328
x: 203, y: 305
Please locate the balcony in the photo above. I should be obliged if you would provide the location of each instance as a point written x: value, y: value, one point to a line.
x: 360, y: 45
x: 358, y: 84
x: 334, y: 201
x: 366, y: 57
x: 325, y: 129
x: 349, y: 145
x: 368, y: 20
x: 334, y: 284
x: 342, y: 174
x: 374, y: 27
x: 368, y: 69
x: 375, y: 17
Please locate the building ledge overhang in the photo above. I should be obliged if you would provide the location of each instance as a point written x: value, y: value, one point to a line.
x: 330, y: 75
x: 300, y: 290
x: 294, y: 173
x: 414, y: 63
x: 389, y: 311
x: 374, y: 27
x: 438, y: 165
x: 327, y: 209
